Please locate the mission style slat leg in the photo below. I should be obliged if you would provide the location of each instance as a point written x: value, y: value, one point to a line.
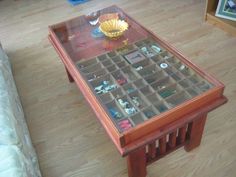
x: 195, y: 133
x: 187, y: 134
x: 136, y: 161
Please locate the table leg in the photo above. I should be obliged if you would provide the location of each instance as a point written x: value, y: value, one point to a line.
x: 69, y: 76
x: 195, y: 133
x: 137, y: 163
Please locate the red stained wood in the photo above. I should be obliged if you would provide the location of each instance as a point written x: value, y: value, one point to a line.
x: 137, y: 163
x: 133, y: 142
x: 162, y: 145
x: 172, y: 139
x: 69, y: 76
x: 182, y: 134
x: 195, y: 133
x: 152, y: 150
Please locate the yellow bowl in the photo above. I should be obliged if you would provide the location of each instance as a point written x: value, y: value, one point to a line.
x: 113, y: 28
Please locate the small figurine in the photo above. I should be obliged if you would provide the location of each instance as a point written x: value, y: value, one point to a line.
x: 136, y: 101
x: 121, y: 81
x: 123, y: 104
x: 104, y: 87
x: 130, y: 111
x: 114, y: 113
x: 156, y: 49
x: 126, y: 106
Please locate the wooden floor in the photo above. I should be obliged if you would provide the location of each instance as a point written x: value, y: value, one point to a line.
x: 68, y: 139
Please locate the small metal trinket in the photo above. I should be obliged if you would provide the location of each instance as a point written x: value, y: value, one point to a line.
x: 139, y: 68
x: 163, y: 65
x: 182, y: 67
x: 156, y: 49
x: 130, y: 111
x: 166, y: 57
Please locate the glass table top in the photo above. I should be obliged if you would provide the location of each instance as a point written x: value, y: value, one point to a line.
x: 134, y: 78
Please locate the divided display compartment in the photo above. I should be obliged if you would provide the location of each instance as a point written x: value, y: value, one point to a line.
x: 147, y: 51
x: 112, y: 68
x: 155, y: 77
x: 167, y: 68
x: 163, y: 83
x: 157, y: 59
x: 114, y: 110
x: 166, y: 55
x: 117, y: 59
x: 140, y: 83
x: 103, y: 84
x: 147, y: 90
x: 177, y: 99
x: 204, y: 86
x: 193, y: 91
x: 139, y: 100
x: 92, y: 68
x: 185, y: 83
x: 126, y: 49
x: 107, y: 63
x: 153, y: 45
x: 177, y: 76
x: 86, y: 63
x: 124, y: 124
x: 118, y: 93
x: 102, y: 57
x: 129, y: 88
x: 187, y: 71
x: 172, y: 60
x: 112, y: 54
x: 133, y: 92
x: 119, y: 77
x: 122, y: 64
x: 142, y: 64
x: 130, y: 74
x: 183, y: 68
x: 106, y: 97
x: 154, y: 98
x: 169, y: 91
x: 126, y: 105
x: 150, y: 112
x: 195, y: 79
x: 161, y: 106
x: 148, y: 70
x: 95, y: 75
x: 138, y: 118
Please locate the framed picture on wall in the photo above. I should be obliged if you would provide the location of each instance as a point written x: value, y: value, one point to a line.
x: 226, y: 9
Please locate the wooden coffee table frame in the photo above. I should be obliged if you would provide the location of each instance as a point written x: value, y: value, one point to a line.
x: 157, y: 137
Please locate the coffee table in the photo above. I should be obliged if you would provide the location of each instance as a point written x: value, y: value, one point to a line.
x: 148, y: 96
